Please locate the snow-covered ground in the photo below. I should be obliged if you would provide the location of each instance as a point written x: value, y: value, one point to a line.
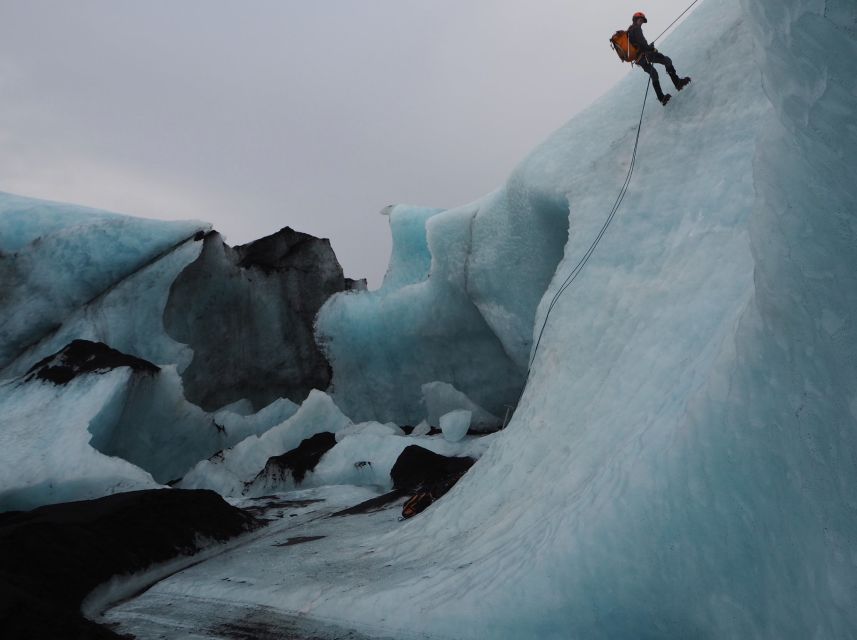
x: 257, y: 589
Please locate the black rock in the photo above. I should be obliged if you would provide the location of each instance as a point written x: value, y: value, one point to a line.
x: 82, y: 356
x: 248, y: 313
x: 418, y: 468
x: 53, y: 556
x: 297, y: 461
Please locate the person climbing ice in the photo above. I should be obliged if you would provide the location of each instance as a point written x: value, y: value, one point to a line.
x: 649, y: 57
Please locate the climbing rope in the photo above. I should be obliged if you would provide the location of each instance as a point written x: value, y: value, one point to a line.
x: 674, y: 21
x: 582, y: 263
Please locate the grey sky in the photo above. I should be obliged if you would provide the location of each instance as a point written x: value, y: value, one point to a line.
x: 312, y: 113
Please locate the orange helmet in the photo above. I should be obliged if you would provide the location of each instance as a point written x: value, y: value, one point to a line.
x: 640, y: 14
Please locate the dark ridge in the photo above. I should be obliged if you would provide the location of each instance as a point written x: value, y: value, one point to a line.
x: 373, y: 504
x: 286, y: 249
x: 299, y: 540
x: 297, y: 461
x: 51, y: 558
x: 417, y: 468
x: 433, y: 431
x: 356, y: 285
x: 82, y: 356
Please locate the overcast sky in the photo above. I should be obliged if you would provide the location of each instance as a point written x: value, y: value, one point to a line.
x: 316, y: 114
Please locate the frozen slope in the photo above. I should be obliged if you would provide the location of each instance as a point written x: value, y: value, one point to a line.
x: 682, y: 462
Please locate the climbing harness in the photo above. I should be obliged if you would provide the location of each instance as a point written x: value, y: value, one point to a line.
x: 582, y: 263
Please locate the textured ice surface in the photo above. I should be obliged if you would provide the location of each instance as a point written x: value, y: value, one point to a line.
x: 413, y: 331
x: 55, y: 257
x: 160, y: 431
x: 45, y: 455
x: 128, y: 317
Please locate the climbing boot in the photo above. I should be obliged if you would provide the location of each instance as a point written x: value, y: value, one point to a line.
x: 665, y: 99
x: 682, y: 83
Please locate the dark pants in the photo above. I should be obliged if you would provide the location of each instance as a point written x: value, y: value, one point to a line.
x: 647, y: 63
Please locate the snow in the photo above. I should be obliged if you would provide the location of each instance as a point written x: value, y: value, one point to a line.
x: 247, y: 588
x: 55, y: 258
x: 455, y: 424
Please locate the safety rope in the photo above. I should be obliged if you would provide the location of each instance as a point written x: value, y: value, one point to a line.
x: 582, y: 263
x: 674, y: 21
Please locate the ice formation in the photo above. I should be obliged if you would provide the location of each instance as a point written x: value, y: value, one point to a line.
x: 421, y: 326
x: 683, y: 459
x: 363, y: 454
x: 455, y: 424
x: 56, y: 258
x: 229, y: 471
x: 45, y: 455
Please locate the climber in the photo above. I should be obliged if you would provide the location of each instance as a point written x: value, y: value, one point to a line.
x: 649, y: 57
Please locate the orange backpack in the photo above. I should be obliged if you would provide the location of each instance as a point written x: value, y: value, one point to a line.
x: 624, y: 49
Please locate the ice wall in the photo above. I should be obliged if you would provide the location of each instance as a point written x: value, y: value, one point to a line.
x: 45, y: 455
x: 423, y: 325
x: 56, y: 258
x: 683, y: 460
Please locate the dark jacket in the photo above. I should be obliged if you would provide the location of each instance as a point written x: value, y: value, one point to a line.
x: 635, y: 35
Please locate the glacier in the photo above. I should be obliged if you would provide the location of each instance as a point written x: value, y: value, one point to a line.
x: 682, y: 454
x: 682, y: 460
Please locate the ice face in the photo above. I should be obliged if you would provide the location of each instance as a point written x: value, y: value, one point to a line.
x: 384, y: 345
x: 128, y: 317
x: 45, y: 455
x: 55, y: 258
